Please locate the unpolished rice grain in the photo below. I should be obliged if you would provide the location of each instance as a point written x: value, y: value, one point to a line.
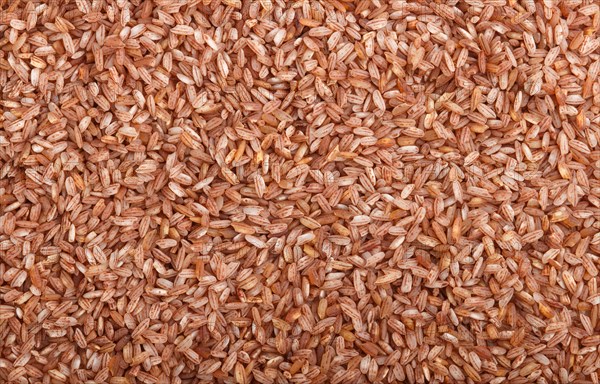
x: 323, y: 191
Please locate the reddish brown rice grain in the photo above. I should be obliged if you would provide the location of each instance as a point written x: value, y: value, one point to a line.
x: 323, y: 191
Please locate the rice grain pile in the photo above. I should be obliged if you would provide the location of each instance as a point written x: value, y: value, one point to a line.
x: 331, y: 191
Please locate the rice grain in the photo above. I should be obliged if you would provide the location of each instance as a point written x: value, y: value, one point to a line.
x: 325, y: 191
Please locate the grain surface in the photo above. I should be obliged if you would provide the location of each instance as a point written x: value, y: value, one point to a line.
x: 306, y: 191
